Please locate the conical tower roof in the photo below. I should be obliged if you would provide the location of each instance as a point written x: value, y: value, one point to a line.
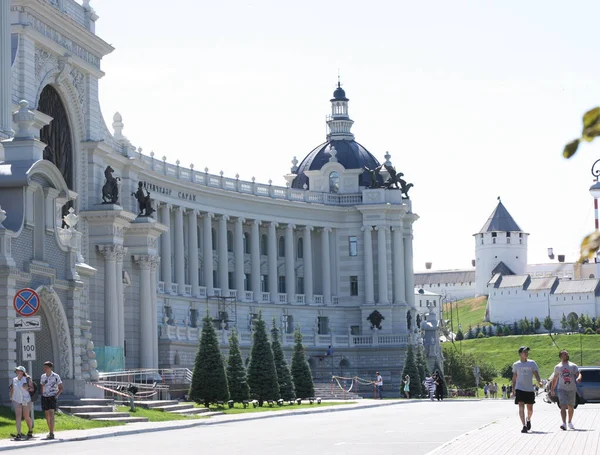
x: 500, y: 220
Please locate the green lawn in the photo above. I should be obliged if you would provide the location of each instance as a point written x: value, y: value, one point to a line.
x: 502, y: 350
x: 155, y: 415
x: 466, y: 312
x: 63, y: 422
x: 239, y: 408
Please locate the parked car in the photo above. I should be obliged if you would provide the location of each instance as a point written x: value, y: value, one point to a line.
x: 588, y: 390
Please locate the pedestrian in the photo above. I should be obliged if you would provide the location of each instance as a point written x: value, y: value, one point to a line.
x: 20, y: 397
x: 430, y: 386
x: 406, y: 388
x: 522, y: 385
x: 486, y: 389
x: 329, y: 351
x: 566, y: 376
x: 379, y: 385
x: 495, y: 390
x: 504, y: 391
x: 439, y: 386
x: 52, y: 387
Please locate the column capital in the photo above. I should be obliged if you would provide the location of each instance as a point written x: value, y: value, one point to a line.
x: 241, y: 220
x: 382, y: 228
x: 257, y: 222
x: 144, y: 261
x: 164, y: 205
x: 208, y: 215
x: 179, y: 208
x: 192, y: 212
x: 398, y: 229
x: 291, y: 227
x: 224, y: 217
x: 309, y: 228
x: 273, y: 224
x: 112, y: 252
x: 326, y: 229
x: 366, y: 228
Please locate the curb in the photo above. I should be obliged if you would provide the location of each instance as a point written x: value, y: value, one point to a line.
x: 207, y: 422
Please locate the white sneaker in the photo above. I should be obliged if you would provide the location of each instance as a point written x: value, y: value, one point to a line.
x: 563, y: 427
x: 571, y: 426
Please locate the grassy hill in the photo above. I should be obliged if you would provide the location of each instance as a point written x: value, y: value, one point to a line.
x: 502, y: 350
x: 467, y: 312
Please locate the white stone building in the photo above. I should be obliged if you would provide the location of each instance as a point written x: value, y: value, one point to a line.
x: 322, y: 253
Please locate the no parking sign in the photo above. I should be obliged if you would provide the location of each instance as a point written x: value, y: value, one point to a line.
x: 26, y: 302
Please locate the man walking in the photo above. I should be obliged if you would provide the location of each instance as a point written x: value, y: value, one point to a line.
x: 522, y: 385
x: 379, y: 384
x: 52, y: 387
x: 566, y: 376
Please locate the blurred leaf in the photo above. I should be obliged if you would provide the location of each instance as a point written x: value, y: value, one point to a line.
x: 589, y: 246
x: 591, y: 117
x: 571, y: 148
x: 590, y: 133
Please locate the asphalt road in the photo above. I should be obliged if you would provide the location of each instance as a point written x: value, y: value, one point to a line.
x: 408, y: 428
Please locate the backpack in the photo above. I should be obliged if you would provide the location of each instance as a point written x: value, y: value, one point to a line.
x: 33, y: 393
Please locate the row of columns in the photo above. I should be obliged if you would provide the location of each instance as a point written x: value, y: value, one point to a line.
x: 238, y: 247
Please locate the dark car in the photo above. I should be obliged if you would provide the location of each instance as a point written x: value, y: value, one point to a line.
x: 588, y: 390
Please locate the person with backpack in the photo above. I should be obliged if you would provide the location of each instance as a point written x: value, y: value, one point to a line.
x: 52, y: 387
x: 20, y: 397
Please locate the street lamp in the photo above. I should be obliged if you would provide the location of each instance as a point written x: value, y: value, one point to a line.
x: 460, y: 330
x: 580, y: 347
x: 595, y: 192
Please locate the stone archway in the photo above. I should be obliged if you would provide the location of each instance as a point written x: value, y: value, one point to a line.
x: 59, y: 331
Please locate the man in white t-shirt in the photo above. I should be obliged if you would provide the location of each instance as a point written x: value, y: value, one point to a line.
x: 379, y: 385
x: 52, y: 387
x: 566, y: 377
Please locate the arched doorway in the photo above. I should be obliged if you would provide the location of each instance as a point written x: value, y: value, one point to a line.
x: 57, y: 137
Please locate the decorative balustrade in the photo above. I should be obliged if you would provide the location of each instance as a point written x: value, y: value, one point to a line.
x: 233, y: 293
x: 187, y: 290
x: 335, y: 299
x: 217, y: 292
x: 282, y: 298
x: 248, y: 296
x: 161, y: 287
x: 174, y: 288
x: 318, y: 299
x: 265, y: 296
x: 300, y: 298
x: 191, y: 334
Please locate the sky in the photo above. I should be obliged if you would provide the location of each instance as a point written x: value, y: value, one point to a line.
x: 473, y: 100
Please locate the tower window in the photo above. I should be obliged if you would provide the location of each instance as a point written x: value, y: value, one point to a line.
x: 229, y: 241
x: 246, y: 243
x: 264, y: 246
x: 334, y: 182
x: 300, y: 250
x: 494, y: 234
x: 353, y: 245
x: 354, y: 285
x: 508, y: 234
x: 281, y: 247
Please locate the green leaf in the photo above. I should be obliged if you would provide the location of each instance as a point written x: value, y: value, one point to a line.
x: 571, y: 148
x: 590, y: 133
x: 589, y: 246
x: 591, y: 117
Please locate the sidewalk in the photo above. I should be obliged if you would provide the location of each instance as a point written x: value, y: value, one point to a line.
x: 145, y: 427
x: 504, y: 437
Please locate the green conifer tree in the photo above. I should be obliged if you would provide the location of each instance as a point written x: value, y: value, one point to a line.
x: 548, y: 323
x: 236, y: 371
x: 301, y: 374
x: 209, y: 381
x: 284, y: 377
x: 423, y: 370
x: 411, y: 369
x: 262, y: 375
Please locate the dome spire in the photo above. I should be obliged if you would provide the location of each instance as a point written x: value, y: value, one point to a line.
x: 339, y: 123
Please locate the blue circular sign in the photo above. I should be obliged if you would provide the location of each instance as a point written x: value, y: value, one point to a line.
x: 26, y: 302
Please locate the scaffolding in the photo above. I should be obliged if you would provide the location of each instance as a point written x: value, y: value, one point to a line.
x: 226, y: 311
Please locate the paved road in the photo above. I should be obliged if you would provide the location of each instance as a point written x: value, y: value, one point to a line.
x: 411, y: 428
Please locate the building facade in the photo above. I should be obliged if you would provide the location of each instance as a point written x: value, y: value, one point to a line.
x: 129, y: 252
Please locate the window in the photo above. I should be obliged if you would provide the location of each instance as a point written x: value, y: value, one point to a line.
x: 334, y: 182
x: 215, y: 279
x: 264, y: 284
x: 214, y: 239
x: 508, y: 234
x: 246, y: 243
x: 229, y: 241
x: 281, y: 247
x: 231, y: 279
x: 354, y: 285
x: 352, y: 246
x: 300, y: 285
x: 281, y: 285
x: 494, y: 234
x: 288, y: 324
x: 354, y: 330
x: 323, y: 325
x: 264, y: 245
x: 300, y: 248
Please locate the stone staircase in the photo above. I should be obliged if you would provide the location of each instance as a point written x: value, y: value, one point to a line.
x: 98, y: 409
x: 176, y: 407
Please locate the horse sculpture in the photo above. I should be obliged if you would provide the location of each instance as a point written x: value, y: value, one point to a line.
x: 395, y: 181
x: 110, y: 190
x: 144, y: 201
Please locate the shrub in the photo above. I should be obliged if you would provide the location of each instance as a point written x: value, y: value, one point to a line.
x: 262, y: 374
x: 301, y: 374
x: 507, y: 371
x: 589, y: 331
x: 480, y: 335
x: 284, y: 377
x: 236, y: 371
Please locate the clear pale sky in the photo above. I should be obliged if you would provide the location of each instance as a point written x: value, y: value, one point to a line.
x: 473, y: 100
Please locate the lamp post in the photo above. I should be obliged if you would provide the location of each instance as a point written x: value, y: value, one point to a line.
x: 595, y: 192
x: 460, y: 330
x: 580, y: 347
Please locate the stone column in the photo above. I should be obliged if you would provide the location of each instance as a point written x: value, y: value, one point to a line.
x: 154, y: 264
x: 147, y: 327
x: 223, y: 256
x: 5, y: 72
x: 382, y: 263
x: 290, y: 273
x: 120, y: 297
x: 308, y: 265
x: 368, y: 249
x: 326, y: 265
x: 193, y: 251
x: 179, y: 251
x: 255, y: 258
x: 207, y: 253
x: 408, y: 269
x: 111, y: 305
x: 239, y: 257
x: 398, y: 266
x: 272, y: 250
x: 165, y: 247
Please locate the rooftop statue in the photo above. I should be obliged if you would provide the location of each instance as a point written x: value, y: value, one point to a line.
x: 110, y: 190
x: 395, y: 181
x: 374, y: 173
x: 144, y: 201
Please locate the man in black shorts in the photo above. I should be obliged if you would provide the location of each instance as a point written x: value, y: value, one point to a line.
x: 522, y: 385
x: 52, y: 387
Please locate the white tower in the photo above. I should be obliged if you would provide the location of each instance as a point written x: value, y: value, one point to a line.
x: 500, y: 246
x: 339, y: 122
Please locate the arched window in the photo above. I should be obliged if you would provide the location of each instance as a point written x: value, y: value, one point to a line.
x: 264, y: 245
x: 281, y: 247
x: 246, y: 243
x: 229, y: 241
x: 334, y: 182
x: 300, y: 248
x: 214, y: 239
